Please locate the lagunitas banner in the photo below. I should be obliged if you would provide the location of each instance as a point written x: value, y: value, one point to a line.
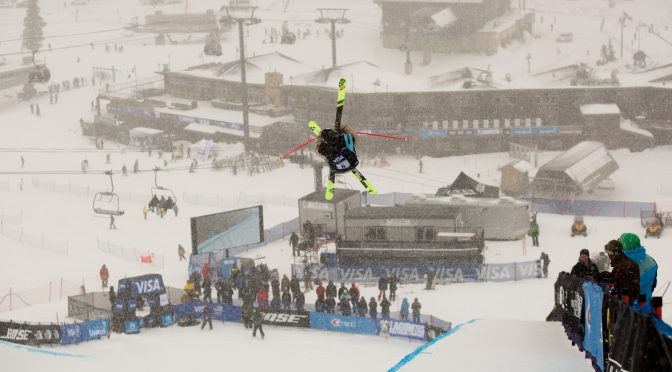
x: 286, y: 318
x: 418, y: 273
x: 400, y: 328
x: 30, y: 334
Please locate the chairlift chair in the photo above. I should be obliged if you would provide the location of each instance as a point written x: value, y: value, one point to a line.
x: 106, y: 203
x: 39, y: 74
x: 213, y: 46
x: 160, y: 191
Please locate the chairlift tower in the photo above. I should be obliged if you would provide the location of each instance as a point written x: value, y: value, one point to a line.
x: 332, y: 16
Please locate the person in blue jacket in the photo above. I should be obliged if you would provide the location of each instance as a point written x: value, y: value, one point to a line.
x: 648, y: 267
x: 403, y: 312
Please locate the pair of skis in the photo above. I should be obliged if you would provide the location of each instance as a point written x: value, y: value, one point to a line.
x: 315, y: 128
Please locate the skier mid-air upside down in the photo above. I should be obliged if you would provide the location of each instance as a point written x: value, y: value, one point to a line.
x: 338, y: 147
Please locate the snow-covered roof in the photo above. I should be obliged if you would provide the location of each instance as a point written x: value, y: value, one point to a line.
x: 432, y: 1
x: 362, y: 77
x: 630, y: 126
x: 255, y: 68
x: 587, y: 163
x: 143, y: 132
x: 444, y: 17
x: 600, y: 109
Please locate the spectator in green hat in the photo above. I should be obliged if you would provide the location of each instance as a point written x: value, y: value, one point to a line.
x: 648, y: 268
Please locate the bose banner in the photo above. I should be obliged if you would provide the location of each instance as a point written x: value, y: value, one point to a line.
x: 400, y: 328
x: 339, y: 323
x: 30, y: 334
x: 80, y: 332
x: 286, y: 318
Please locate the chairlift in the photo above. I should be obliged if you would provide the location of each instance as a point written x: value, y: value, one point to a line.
x: 106, y: 203
x: 213, y: 47
x: 160, y: 191
x: 39, y: 74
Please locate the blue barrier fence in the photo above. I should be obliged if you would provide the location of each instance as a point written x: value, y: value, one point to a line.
x: 603, y: 208
x: 87, y: 331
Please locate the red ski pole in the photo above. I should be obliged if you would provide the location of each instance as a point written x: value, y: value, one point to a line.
x: 383, y: 135
x: 297, y: 148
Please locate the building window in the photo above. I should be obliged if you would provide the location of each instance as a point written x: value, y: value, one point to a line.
x: 465, y: 124
x: 425, y: 234
x: 374, y: 233
x: 475, y: 124
x: 495, y: 123
x: 507, y: 123
x: 456, y: 124
x: 538, y: 121
x: 435, y: 125
x: 486, y: 123
x: 445, y: 124
x: 516, y: 122
x: 528, y: 122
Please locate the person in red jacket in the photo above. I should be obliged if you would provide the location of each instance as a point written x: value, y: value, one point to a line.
x: 354, y: 295
x: 262, y: 299
x: 104, y: 275
x: 206, y: 271
x: 320, y: 291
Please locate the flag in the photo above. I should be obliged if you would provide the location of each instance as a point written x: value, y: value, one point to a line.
x: 627, y: 16
x: 146, y: 259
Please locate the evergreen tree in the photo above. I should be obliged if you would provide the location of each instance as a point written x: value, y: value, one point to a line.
x: 612, y: 53
x: 604, y: 52
x: 32, y: 27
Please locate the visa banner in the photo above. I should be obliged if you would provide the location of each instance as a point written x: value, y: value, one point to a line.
x: 80, y: 332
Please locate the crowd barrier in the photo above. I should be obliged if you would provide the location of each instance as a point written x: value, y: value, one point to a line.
x: 604, y: 208
x: 11, y: 219
x: 386, y: 327
x: 38, y: 334
x: 54, y: 291
x: 132, y: 254
x: 443, y: 274
x: 40, y: 241
x: 615, y: 336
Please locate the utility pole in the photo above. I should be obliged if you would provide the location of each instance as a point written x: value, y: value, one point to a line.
x: 622, y: 27
x: 242, y: 15
x: 333, y: 16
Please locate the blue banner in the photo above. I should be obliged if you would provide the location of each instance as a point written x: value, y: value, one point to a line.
x: 226, y: 313
x: 400, y: 328
x: 80, y: 332
x: 339, y: 323
x: 418, y: 273
x: 132, y: 326
x: 142, y: 285
x: 592, y: 305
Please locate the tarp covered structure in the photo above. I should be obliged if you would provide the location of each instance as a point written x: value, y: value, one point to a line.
x: 468, y: 186
x: 575, y: 171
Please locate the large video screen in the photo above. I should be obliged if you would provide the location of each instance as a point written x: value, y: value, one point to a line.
x: 219, y: 231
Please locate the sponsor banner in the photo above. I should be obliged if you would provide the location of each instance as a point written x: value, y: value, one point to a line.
x: 30, y: 334
x: 418, y: 273
x: 400, y: 328
x: 339, y: 323
x: 535, y: 130
x: 132, y: 326
x: 226, y: 313
x: 286, y: 318
x: 592, y: 339
x: 80, y: 332
x: 427, y: 133
x: 142, y: 285
x: 488, y: 131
